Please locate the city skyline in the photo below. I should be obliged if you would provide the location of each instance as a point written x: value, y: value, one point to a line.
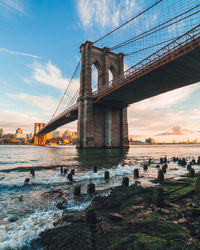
x: 36, y: 68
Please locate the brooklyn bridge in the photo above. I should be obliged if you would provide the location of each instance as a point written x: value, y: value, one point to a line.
x: 156, y: 51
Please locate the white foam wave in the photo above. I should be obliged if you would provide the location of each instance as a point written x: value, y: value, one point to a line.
x: 17, y: 234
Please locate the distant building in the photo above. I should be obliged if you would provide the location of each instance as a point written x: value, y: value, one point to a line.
x: 74, y: 137
x: 19, y: 131
x: 19, y: 135
x: 9, y: 136
x: 57, y: 134
x: 49, y: 136
x: 1, y: 133
x: 67, y: 134
x: 149, y: 141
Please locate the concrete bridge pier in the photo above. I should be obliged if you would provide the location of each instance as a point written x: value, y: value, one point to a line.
x: 100, y: 125
x: 41, y: 139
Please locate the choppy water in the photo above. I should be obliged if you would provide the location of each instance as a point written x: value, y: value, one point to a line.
x: 24, y: 212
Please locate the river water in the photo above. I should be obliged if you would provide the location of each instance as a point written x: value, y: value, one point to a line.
x: 24, y: 212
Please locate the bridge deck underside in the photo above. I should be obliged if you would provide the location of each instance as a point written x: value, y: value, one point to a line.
x: 62, y: 120
x: 180, y: 72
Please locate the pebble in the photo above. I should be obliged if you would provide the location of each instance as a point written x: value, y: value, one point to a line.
x: 115, y: 217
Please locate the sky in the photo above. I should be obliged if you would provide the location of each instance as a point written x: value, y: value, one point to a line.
x: 39, y: 49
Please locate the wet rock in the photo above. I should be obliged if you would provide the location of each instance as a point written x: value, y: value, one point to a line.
x: 13, y: 219
x: 182, y: 162
x: 158, y: 199
x: 32, y: 172
x: 145, y: 167
x: 165, y: 211
x: 165, y: 166
x: 137, y: 183
x: 149, y: 161
x: 51, y: 195
x: 95, y: 169
x: 115, y: 217
x: 182, y: 220
x: 175, y: 159
x: 73, y: 171
x: 19, y: 198
x: 192, y: 172
x: 125, y: 182
x: 164, y: 169
x: 65, y: 171
x: 136, y: 173
x: 189, y: 166
x: 60, y: 206
x: 187, y: 200
x: 106, y: 175
x: 91, y: 188
x: 77, y: 190
x: 160, y: 177
x: 70, y: 177
x: 197, y: 185
x: 27, y: 180
x: 133, y: 209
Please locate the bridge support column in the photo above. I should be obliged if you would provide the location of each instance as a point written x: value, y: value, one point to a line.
x: 39, y: 140
x: 85, y: 123
x: 102, y: 126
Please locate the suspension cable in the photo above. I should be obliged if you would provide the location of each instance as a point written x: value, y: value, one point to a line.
x: 66, y: 89
x: 142, y: 35
x: 128, y: 21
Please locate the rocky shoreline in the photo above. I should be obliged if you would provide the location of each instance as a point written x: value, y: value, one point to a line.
x: 133, y: 217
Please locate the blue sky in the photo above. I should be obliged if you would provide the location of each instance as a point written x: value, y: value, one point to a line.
x: 39, y: 49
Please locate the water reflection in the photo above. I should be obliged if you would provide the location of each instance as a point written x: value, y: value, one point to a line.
x: 102, y: 158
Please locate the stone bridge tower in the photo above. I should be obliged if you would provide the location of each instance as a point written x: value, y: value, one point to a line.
x: 100, y: 125
x: 39, y: 140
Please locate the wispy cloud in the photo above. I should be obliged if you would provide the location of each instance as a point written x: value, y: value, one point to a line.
x: 163, y: 113
x: 12, y: 5
x: 43, y: 102
x: 13, y: 52
x: 51, y: 75
x: 105, y: 12
x: 176, y: 131
x: 11, y: 120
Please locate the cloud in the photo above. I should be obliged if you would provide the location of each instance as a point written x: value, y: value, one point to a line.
x: 12, y: 5
x: 43, y: 102
x: 168, y: 99
x: 105, y: 12
x: 176, y: 131
x: 11, y: 120
x: 51, y: 75
x: 161, y: 113
x: 12, y: 52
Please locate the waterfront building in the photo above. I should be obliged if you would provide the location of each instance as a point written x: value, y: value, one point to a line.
x: 149, y: 141
x: 49, y: 136
x: 1, y: 133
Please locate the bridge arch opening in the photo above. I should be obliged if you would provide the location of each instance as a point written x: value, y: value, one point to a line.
x: 94, y: 76
x: 111, y: 75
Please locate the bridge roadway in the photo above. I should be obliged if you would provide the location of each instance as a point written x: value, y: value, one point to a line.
x: 167, y: 71
x: 67, y: 116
